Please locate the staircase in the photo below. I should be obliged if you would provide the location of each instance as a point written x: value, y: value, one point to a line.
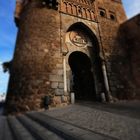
x: 75, y: 122
x: 39, y: 126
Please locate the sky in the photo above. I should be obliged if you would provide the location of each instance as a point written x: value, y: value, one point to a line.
x: 7, y: 38
x: 8, y: 32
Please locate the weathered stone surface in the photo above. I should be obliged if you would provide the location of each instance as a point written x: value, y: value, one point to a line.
x: 123, y: 122
x: 57, y: 100
x: 56, y: 78
x: 64, y: 99
x: 59, y: 92
x: 61, y: 85
x: 54, y: 85
x: 59, y: 65
x: 129, y: 32
x: 37, y: 66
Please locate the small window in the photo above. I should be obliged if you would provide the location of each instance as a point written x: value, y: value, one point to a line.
x: 112, y: 17
x: 80, y: 11
x: 102, y: 13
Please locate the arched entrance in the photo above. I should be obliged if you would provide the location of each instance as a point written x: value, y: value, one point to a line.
x: 85, y: 62
x: 82, y: 77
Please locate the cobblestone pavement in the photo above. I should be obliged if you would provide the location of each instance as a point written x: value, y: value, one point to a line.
x: 120, y: 120
x: 82, y: 121
x: 1, y: 111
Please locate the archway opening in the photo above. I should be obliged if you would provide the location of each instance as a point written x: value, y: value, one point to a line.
x: 86, y: 31
x: 82, y: 38
x: 82, y: 76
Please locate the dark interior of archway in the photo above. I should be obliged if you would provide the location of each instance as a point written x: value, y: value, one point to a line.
x: 83, y: 82
x: 96, y: 64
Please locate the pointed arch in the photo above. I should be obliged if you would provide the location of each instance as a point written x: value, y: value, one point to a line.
x: 82, y: 27
x: 80, y: 37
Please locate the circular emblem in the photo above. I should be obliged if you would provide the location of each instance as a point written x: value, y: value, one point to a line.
x: 78, y: 39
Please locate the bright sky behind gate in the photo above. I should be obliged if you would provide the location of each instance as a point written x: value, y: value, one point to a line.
x: 8, y: 32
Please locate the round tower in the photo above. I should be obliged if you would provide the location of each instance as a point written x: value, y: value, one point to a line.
x: 37, y: 66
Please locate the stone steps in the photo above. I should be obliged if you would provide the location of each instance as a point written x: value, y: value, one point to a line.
x: 114, y: 121
x: 5, y: 131
x: 37, y: 130
x: 39, y: 126
x: 2, y: 120
x: 18, y: 130
x: 66, y: 130
x: 74, y: 122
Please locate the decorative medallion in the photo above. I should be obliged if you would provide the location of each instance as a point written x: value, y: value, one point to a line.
x: 78, y: 39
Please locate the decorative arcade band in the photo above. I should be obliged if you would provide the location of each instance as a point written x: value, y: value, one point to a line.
x: 21, y: 3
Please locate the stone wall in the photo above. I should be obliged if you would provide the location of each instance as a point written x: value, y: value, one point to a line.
x: 130, y: 42
x: 110, y: 15
x: 37, y: 66
x: 105, y: 27
x: 82, y: 24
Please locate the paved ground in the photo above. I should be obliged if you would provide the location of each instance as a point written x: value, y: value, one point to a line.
x: 82, y: 121
x: 125, y: 108
x: 1, y: 110
x: 121, y: 120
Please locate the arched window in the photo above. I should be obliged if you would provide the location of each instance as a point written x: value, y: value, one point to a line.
x: 84, y: 13
x: 102, y: 12
x: 92, y: 15
x: 69, y: 8
x: 80, y: 12
x: 88, y: 14
x: 112, y: 16
x: 74, y: 10
x: 65, y: 7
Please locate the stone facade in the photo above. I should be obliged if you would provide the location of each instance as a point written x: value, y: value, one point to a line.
x: 52, y: 43
x: 109, y: 24
x: 130, y: 41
